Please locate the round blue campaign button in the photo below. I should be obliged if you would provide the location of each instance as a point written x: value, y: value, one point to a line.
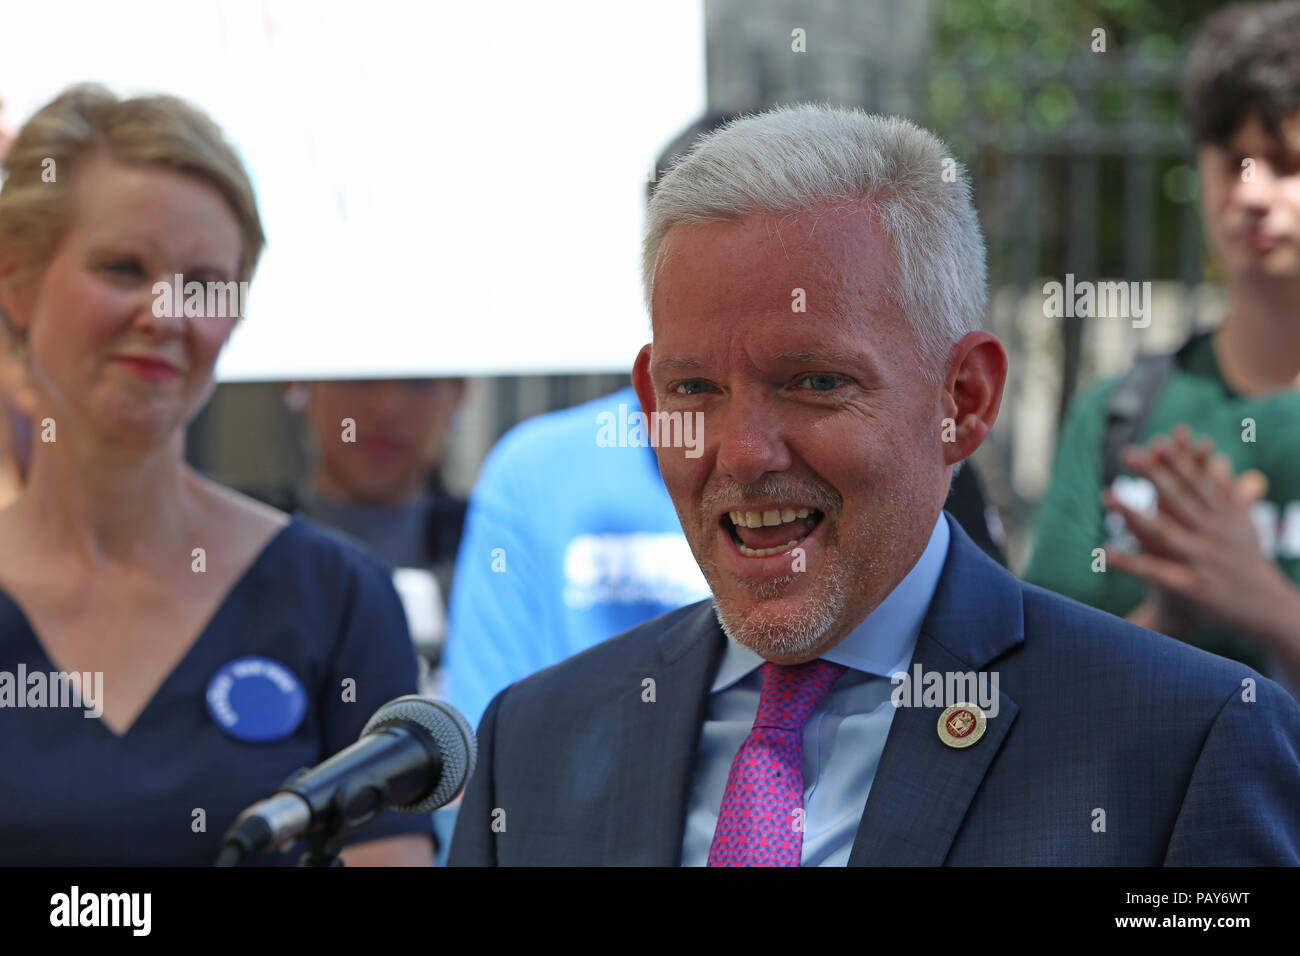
x: 256, y: 699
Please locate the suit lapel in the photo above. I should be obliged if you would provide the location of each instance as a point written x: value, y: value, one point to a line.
x: 648, y: 802
x: 923, y: 787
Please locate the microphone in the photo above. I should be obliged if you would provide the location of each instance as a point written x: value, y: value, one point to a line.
x: 413, y: 755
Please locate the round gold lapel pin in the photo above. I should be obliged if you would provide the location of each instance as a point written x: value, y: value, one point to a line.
x: 962, y: 725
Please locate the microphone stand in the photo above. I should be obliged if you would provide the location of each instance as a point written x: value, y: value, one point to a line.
x: 351, y: 805
x: 319, y: 854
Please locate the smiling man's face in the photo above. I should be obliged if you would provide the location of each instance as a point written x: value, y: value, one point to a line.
x: 819, y: 426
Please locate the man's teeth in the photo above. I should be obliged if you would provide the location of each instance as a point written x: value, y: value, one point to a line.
x: 759, y: 519
x: 764, y: 552
x: 767, y: 519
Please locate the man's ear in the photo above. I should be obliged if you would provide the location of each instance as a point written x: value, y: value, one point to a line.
x: 972, y: 394
x: 645, y: 388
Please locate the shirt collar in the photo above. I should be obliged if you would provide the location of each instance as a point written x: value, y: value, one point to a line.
x: 883, y: 643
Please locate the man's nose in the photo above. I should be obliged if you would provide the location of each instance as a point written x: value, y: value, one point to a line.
x: 752, y: 442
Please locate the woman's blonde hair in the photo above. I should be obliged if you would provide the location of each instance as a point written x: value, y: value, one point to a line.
x: 88, y: 120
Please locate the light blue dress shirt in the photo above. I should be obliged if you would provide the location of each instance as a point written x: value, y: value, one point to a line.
x: 845, y: 734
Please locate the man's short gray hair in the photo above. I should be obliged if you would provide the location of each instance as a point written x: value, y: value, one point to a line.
x: 791, y: 160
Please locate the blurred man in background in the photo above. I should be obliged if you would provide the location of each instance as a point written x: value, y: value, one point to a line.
x: 373, y: 450
x: 1205, y: 535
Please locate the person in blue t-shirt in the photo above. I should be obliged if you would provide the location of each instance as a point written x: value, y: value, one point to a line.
x: 568, y: 541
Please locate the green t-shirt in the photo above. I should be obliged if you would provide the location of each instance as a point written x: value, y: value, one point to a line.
x: 1259, y: 431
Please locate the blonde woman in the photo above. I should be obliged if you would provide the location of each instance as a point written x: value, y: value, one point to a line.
x: 220, y: 645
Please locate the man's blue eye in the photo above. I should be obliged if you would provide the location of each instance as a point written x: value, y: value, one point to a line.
x: 682, y: 388
x: 822, y: 383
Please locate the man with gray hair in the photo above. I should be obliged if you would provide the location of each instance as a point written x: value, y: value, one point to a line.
x: 816, y: 280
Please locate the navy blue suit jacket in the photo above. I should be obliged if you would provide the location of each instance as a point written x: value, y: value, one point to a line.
x: 1192, y: 759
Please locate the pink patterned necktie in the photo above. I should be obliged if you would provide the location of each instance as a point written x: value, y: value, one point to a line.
x: 761, y: 820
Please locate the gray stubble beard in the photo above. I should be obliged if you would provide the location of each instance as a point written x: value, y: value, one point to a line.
x: 799, y: 631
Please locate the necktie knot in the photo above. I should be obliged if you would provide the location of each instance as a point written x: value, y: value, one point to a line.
x: 791, y: 691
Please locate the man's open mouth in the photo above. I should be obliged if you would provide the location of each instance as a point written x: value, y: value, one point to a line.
x: 759, y: 534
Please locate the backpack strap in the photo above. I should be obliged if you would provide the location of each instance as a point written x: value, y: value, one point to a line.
x: 1131, y: 403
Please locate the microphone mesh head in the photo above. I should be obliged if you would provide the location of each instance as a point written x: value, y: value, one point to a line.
x: 450, y: 731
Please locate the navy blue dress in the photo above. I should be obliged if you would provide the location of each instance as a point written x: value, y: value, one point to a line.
x: 72, y: 792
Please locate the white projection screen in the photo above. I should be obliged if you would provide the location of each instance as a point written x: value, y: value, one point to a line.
x: 448, y: 188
